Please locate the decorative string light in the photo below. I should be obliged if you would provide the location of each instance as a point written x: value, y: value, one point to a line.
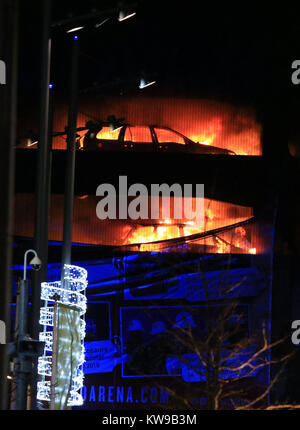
x: 44, y: 388
x: 45, y: 365
x: 66, y: 297
x: 46, y: 316
x: 68, y: 294
x: 47, y: 337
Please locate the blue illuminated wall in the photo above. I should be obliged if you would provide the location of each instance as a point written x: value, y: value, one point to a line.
x: 135, y: 299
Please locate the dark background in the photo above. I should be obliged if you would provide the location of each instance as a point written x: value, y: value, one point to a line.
x: 240, y: 53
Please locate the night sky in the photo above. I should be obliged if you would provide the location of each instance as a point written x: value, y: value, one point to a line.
x: 241, y: 54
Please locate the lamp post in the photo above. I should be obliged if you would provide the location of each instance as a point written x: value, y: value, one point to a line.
x: 71, y: 152
x: 69, y: 195
x: 42, y: 179
x: 8, y: 108
x: 25, y: 348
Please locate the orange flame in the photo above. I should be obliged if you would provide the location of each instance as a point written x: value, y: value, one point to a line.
x: 143, y: 235
x: 204, y: 139
x: 208, y: 136
x: 106, y: 133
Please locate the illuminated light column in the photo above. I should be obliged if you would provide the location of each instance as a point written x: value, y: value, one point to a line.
x: 72, y: 297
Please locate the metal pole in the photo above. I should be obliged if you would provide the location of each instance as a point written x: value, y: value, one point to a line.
x: 69, y: 190
x: 71, y: 152
x: 13, y: 398
x: 8, y: 93
x: 42, y: 183
x: 23, y: 364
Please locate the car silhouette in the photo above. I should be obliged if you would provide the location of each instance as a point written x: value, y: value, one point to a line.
x: 150, y: 138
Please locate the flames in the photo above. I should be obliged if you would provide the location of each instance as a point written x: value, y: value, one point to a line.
x: 210, y: 132
x: 252, y: 251
x: 203, y: 139
x: 106, y: 133
x: 214, y: 123
x: 153, y: 234
x: 149, y: 234
x: 166, y: 229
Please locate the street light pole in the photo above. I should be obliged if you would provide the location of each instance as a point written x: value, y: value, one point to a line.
x: 42, y: 181
x: 71, y: 153
x: 69, y: 195
x: 22, y: 364
x: 24, y: 347
x: 8, y: 106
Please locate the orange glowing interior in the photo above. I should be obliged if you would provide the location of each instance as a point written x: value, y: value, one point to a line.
x: 106, y: 134
x: 207, y: 122
x: 217, y: 215
x: 231, y: 242
x: 208, y: 136
x: 137, y: 134
x: 148, y: 234
x: 164, y: 135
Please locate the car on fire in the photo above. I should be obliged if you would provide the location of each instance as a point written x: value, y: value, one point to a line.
x: 150, y: 138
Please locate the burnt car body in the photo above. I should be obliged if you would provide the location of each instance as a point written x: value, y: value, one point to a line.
x: 149, y: 138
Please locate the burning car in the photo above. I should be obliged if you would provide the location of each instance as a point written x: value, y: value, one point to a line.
x: 150, y: 138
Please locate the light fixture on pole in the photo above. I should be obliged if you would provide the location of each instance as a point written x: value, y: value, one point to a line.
x: 74, y: 28
x: 101, y: 22
x: 25, y: 349
x: 35, y: 263
x: 126, y: 11
x: 125, y: 14
x: 31, y: 141
x: 144, y: 83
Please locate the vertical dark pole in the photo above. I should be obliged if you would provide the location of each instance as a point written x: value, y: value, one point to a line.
x: 8, y: 101
x: 71, y: 152
x: 42, y: 182
x: 69, y: 185
x: 23, y: 364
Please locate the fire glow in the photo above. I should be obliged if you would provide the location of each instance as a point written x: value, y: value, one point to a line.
x: 213, y: 129
x: 107, y: 133
x: 148, y: 235
x: 207, y: 122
